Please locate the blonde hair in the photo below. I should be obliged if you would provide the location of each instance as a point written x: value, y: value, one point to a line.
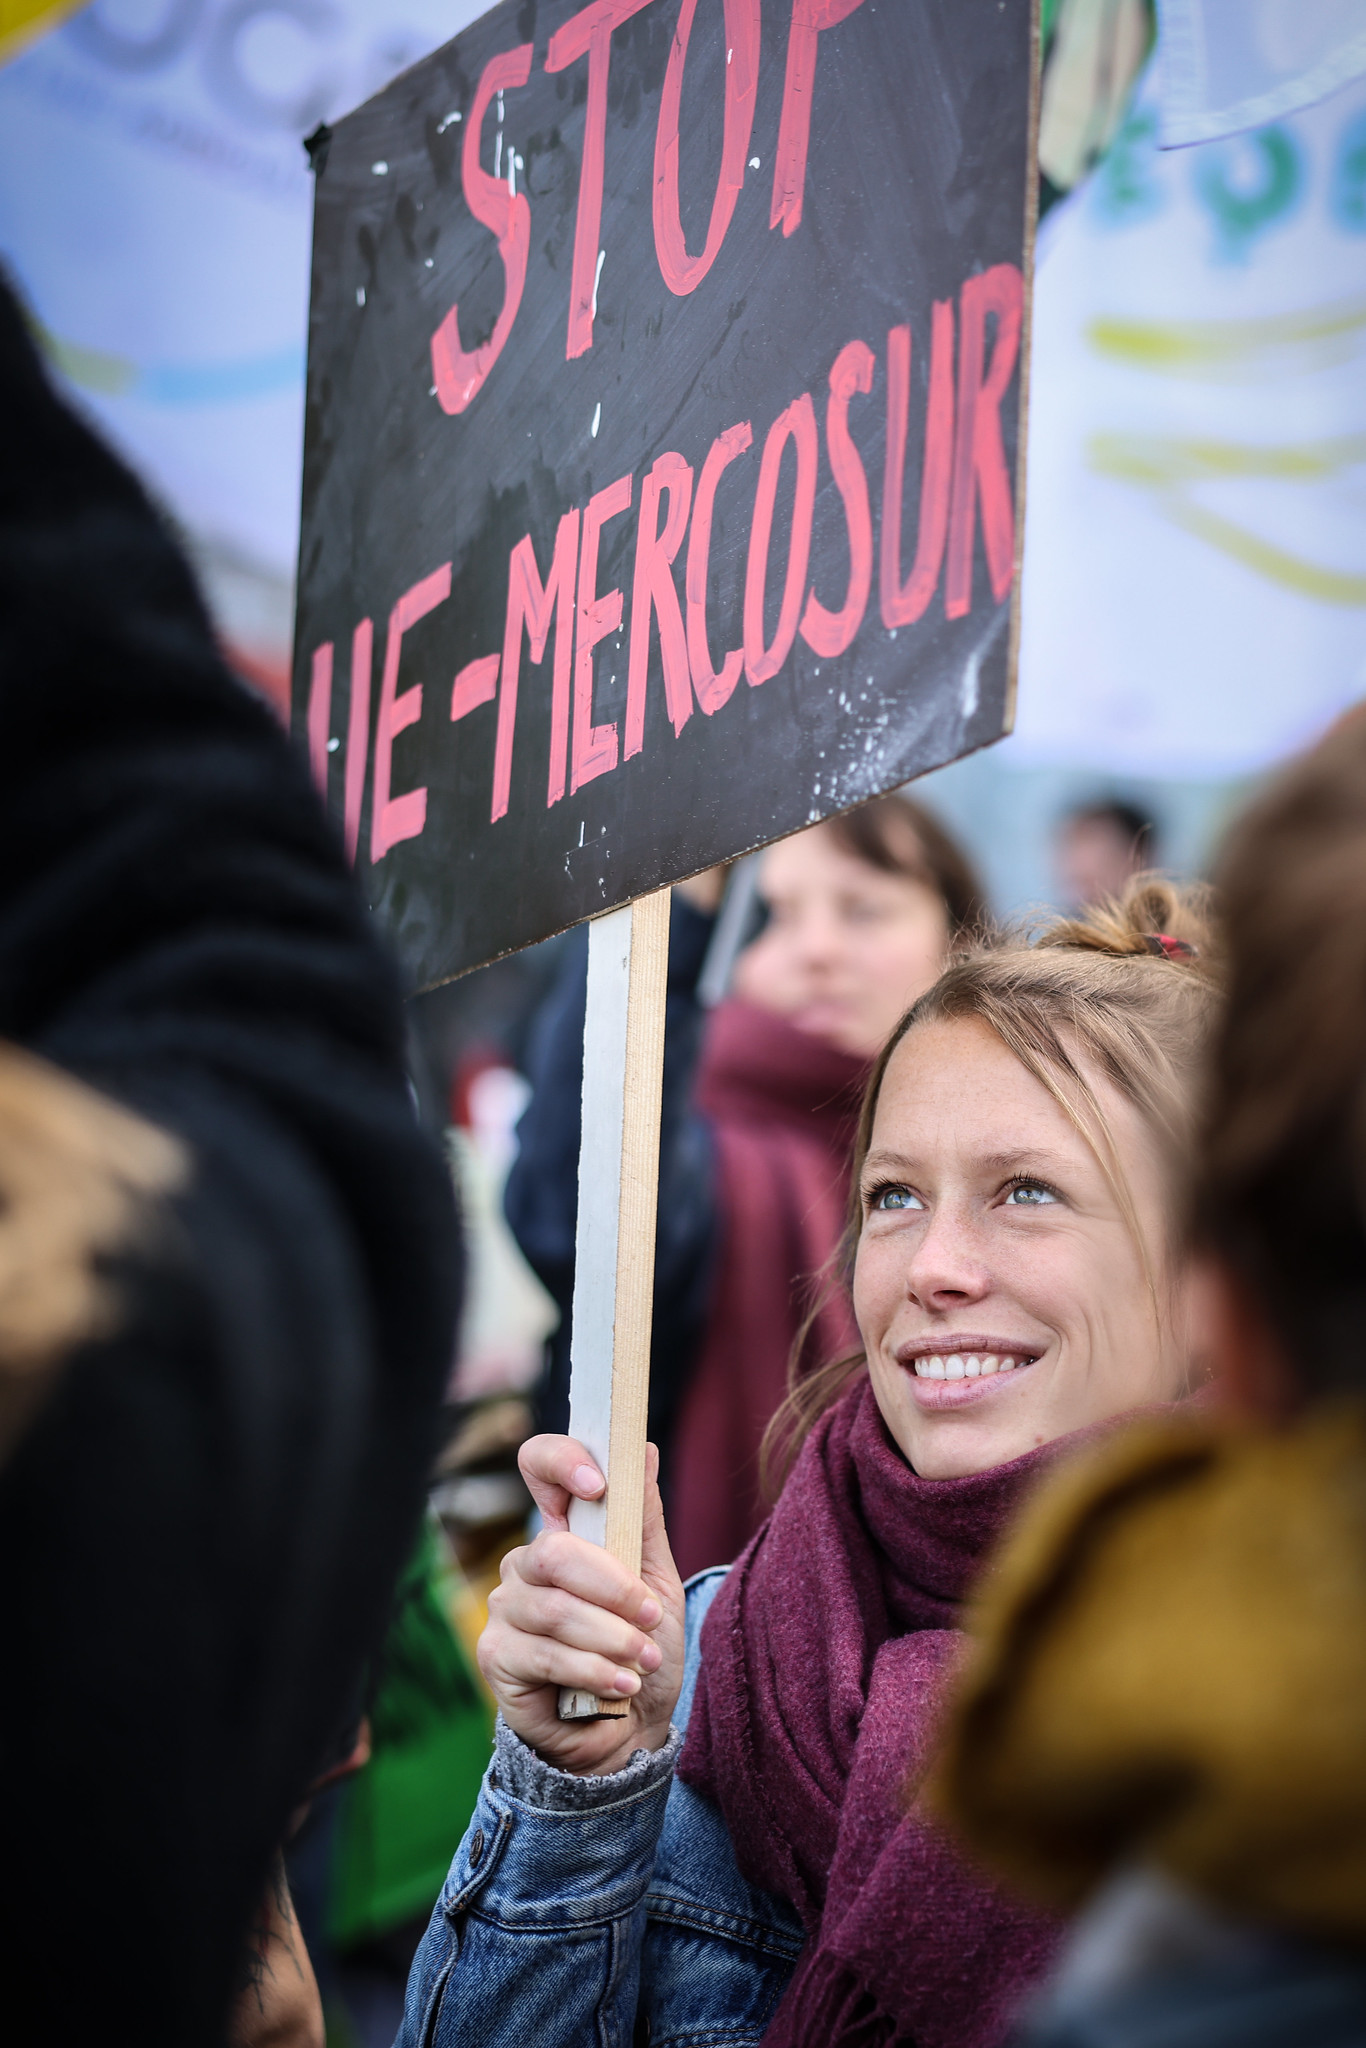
x: 1127, y: 990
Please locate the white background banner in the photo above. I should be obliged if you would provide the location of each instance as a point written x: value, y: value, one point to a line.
x: 1234, y: 64
x: 1195, y: 544
x: 156, y: 211
x: 1195, y: 562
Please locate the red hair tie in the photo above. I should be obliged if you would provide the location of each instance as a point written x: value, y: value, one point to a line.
x: 1168, y: 948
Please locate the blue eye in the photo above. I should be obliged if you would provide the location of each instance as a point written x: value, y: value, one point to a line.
x: 892, y: 1198
x: 1030, y: 1194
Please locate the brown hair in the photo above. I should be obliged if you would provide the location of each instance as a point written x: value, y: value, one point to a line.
x: 1280, y: 1183
x: 901, y: 837
x: 1097, y: 991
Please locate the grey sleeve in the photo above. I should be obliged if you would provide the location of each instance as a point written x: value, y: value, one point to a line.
x: 528, y: 1777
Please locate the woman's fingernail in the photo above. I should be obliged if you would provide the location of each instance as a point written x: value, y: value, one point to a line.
x: 586, y: 1479
x: 626, y: 1681
x: 649, y: 1614
x: 651, y: 1657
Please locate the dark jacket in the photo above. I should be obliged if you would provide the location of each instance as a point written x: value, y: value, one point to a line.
x: 200, y: 1530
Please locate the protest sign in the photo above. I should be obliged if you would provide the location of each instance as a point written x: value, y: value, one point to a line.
x: 661, y: 496
x: 662, y: 443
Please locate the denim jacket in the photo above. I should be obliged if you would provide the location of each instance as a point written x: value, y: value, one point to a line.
x: 600, y: 1911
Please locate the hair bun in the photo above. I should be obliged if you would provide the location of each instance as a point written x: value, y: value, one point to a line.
x: 1154, y: 917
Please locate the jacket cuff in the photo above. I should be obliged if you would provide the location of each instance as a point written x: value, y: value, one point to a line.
x: 535, y: 1783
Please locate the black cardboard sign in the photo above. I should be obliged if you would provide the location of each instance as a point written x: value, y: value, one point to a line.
x: 663, y: 442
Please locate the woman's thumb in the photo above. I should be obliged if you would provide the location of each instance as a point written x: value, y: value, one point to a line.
x: 656, y: 1558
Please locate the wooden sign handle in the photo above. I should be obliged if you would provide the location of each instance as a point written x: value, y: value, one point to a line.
x: 614, y: 1270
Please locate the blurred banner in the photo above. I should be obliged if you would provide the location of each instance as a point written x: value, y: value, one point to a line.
x: 1228, y: 65
x: 155, y: 210
x: 1195, y: 547
x: 1195, y: 561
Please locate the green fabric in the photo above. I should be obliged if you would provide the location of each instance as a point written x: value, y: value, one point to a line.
x: 403, y: 1815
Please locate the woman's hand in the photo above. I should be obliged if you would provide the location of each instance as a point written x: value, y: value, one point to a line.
x: 567, y: 1614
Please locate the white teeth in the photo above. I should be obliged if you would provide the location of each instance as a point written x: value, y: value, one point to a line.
x: 965, y: 1366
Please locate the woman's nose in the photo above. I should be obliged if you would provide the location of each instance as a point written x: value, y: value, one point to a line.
x: 819, y: 940
x: 812, y: 936
x: 946, y: 1267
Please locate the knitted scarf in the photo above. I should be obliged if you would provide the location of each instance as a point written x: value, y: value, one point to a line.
x: 825, y: 1659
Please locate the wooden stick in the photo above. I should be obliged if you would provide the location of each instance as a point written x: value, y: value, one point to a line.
x: 623, y: 1068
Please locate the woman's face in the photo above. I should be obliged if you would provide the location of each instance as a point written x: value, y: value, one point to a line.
x: 847, y: 948
x: 998, y: 1289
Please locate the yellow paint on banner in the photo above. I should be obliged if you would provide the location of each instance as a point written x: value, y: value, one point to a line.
x: 1171, y: 468
x: 94, y: 369
x: 1234, y: 350
x: 1161, y: 462
x: 22, y: 21
x: 1278, y: 565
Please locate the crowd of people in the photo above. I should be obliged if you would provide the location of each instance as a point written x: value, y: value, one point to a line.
x: 995, y: 1666
x: 760, y: 1108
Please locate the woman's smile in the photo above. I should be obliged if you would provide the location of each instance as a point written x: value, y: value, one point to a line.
x: 981, y: 1198
x: 952, y: 1369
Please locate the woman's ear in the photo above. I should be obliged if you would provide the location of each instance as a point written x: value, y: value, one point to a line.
x: 1229, y: 1331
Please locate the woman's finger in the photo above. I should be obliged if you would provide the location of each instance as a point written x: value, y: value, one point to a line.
x: 515, y: 1664
x: 573, y: 1565
x: 545, y: 1611
x: 557, y: 1469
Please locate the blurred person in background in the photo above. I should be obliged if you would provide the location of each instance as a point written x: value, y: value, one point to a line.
x: 1099, y: 848
x: 369, y: 1861
x: 1009, y: 1246
x: 229, y: 1274
x: 1166, y: 1720
x: 759, y: 1112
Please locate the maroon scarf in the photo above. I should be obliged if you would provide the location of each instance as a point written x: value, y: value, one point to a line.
x: 825, y: 1659
x: 783, y: 1107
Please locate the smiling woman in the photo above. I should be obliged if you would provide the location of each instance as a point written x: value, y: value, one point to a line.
x: 1016, y: 1154
x: 1011, y: 1223
x: 1013, y: 1280
x: 978, y: 1259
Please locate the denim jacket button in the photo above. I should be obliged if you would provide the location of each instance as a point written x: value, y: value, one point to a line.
x: 476, y: 1848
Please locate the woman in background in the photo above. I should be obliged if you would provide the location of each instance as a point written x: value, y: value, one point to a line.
x: 759, y: 1112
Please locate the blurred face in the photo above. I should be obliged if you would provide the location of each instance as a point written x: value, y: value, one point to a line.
x: 1095, y: 860
x: 847, y: 948
x: 998, y: 1289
